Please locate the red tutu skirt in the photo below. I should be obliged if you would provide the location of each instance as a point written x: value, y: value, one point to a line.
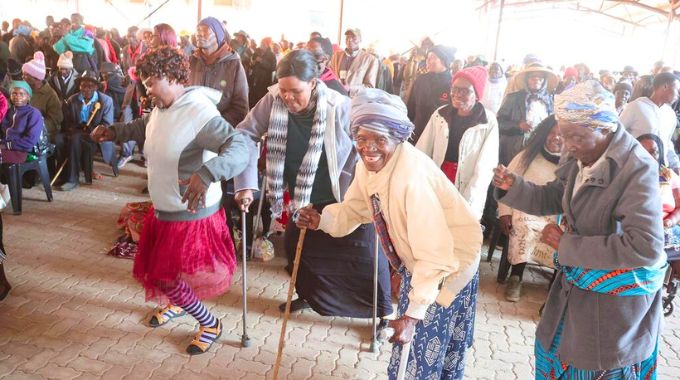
x: 199, y: 252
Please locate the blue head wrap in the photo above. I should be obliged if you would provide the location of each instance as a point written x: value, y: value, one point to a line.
x: 380, y: 112
x: 587, y: 104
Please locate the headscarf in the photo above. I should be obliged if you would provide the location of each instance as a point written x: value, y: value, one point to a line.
x: 587, y: 104
x: 380, y: 112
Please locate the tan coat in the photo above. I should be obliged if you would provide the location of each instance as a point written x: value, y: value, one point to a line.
x: 432, y: 228
x: 363, y: 72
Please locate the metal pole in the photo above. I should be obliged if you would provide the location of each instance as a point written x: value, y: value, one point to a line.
x: 342, y: 12
x: 671, y: 14
x: 200, y: 7
x: 498, y: 30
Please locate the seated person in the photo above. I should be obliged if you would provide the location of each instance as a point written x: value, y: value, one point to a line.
x: 21, y: 126
x: 113, y: 82
x: 84, y: 111
x: 63, y: 80
x: 669, y: 183
x: 537, y: 163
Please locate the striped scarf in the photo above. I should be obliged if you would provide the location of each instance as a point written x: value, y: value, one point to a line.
x: 618, y: 282
x: 276, y: 151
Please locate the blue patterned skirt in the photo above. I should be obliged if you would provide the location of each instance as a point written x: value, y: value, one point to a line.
x: 441, y: 338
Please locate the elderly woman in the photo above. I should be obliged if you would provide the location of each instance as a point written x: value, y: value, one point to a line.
x: 462, y: 138
x: 310, y: 152
x: 427, y: 231
x: 521, y: 111
x: 536, y: 163
x: 603, y: 314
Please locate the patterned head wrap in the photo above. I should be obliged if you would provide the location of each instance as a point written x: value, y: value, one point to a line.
x: 380, y: 112
x: 587, y: 104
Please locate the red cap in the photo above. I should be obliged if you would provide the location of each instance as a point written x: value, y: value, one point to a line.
x: 476, y: 75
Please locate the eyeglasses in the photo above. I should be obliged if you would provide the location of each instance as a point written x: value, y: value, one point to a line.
x: 462, y: 91
x: 379, y: 143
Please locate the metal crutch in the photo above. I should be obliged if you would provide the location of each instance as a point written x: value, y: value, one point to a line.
x: 375, y: 345
x: 245, y: 340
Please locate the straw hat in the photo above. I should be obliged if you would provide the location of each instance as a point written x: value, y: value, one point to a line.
x: 551, y: 78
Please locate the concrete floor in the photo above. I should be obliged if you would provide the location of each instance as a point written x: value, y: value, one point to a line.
x: 76, y: 313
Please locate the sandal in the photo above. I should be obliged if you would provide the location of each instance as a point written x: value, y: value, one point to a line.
x: 204, y: 339
x: 97, y: 176
x: 164, y: 315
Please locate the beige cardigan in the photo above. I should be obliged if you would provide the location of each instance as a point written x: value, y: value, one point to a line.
x: 433, y: 230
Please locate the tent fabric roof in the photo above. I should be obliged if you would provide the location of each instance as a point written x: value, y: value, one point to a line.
x: 641, y: 13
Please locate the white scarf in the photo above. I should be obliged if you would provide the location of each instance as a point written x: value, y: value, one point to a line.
x: 276, y: 152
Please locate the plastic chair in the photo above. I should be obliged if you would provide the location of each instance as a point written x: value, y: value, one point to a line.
x: 15, y: 174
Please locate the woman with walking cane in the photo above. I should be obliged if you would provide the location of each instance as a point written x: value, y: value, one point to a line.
x: 310, y: 151
x: 185, y: 250
x: 428, y: 233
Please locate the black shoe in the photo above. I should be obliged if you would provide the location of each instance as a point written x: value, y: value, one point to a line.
x: 4, y: 291
x: 296, y: 305
x: 5, y: 287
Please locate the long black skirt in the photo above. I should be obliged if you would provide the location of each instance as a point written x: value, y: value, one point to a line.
x: 336, y: 274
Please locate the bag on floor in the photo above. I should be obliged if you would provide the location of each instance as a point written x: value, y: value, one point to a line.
x: 263, y: 248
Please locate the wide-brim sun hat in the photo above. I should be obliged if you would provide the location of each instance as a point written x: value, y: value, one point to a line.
x: 551, y: 78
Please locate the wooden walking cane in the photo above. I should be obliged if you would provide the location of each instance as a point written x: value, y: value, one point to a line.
x: 95, y: 108
x: 291, y: 289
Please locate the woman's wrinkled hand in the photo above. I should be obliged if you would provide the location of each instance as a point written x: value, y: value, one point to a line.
x: 308, y: 218
x: 503, y: 178
x: 404, y: 329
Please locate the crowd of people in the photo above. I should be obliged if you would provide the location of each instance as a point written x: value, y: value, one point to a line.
x: 421, y: 153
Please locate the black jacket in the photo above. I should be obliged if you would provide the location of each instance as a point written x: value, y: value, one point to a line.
x: 514, y: 110
x: 72, y: 109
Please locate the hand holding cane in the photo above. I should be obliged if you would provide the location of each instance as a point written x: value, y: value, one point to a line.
x: 291, y: 289
x: 95, y: 108
x: 387, y: 333
x: 245, y: 340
